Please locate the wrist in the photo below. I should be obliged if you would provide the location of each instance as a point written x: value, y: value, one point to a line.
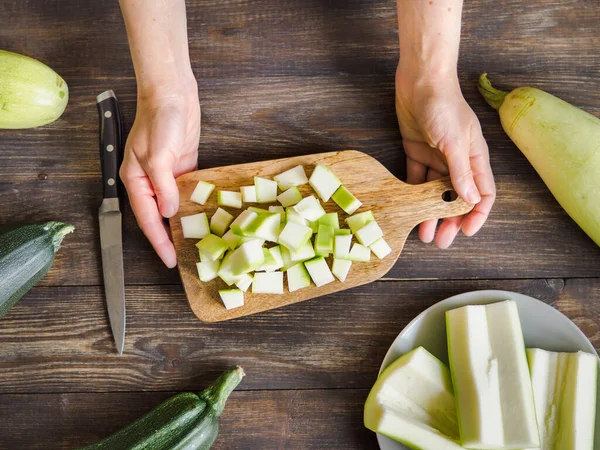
x: 176, y: 87
x: 416, y: 77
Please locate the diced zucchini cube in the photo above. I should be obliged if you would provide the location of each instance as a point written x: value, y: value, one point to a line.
x: 195, y: 226
x: 290, y: 178
x: 330, y: 219
x: 256, y: 210
x: 273, y: 261
x: 324, y: 240
x: 319, y: 271
x: 357, y: 221
x: 242, y: 221
x: 294, y: 235
x: 324, y: 182
x: 287, y: 258
x: 279, y: 210
x: 232, y: 298
x: 264, y: 226
x: 248, y: 194
x: 201, y: 192
x: 380, y: 248
x: 244, y: 282
x: 314, y: 226
x: 310, y: 208
x: 207, y: 270
x: 341, y: 247
x: 359, y: 253
x: 297, y: 277
x: 345, y: 200
x: 304, y: 253
x: 212, y: 246
x: 342, y: 232
x: 266, y: 190
x: 369, y: 234
x: 246, y: 258
x: 232, y: 239
x: 289, y: 197
x: 340, y: 268
x: 229, y: 198
x: 293, y: 216
x: 267, y: 283
x: 220, y: 221
x: 224, y: 272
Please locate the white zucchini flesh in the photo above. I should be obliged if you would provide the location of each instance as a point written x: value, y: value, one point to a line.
x: 279, y: 210
x: 357, y: 221
x: 248, y: 194
x: 294, y: 235
x: 412, y: 402
x: 292, y: 216
x: 246, y: 258
x: 201, y: 192
x: 229, y: 198
x: 369, y: 234
x: 264, y: 226
x: 310, y: 208
x: 345, y: 200
x: 359, y: 253
x: 319, y: 271
x: 304, y: 253
x: 330, y: 219
x: 242, y: 221
x: 341, y: 268
x: 207, y: 271
x: 380, y: 248
x: 324, y: 182
x: 297, y: 277
x: 232, y: 239
x: 244, y: 282
x: 224, y: 272
x: 290, y: 178
x: 195, y: 226
x: 564, y: 390
x: 491, y: 377
x: 220, y: 221
x: 341, y: 246
x: 287, y: 259
x: 267, y: 283
x: 212, y: 247
x: 275, y: 261
x: 289, y: 197
x: 266, y: 190
x: 232, y: 298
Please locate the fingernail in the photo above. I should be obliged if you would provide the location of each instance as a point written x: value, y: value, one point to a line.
x: 473, y: 196
x: 169, y: 210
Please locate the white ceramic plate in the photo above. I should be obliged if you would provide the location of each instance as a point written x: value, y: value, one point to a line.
x: 543, y: 327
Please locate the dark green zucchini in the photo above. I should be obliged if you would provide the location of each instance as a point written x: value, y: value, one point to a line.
x: 185, y: 421
x: 26, y: 254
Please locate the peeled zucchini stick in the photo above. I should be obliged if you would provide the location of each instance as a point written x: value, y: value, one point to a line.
x: 186, y: 421
x: 561, y: 141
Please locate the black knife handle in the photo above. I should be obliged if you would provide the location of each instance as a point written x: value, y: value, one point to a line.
x: 111, y: 144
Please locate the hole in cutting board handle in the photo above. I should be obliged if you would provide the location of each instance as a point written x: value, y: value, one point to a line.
x: 449, y: 196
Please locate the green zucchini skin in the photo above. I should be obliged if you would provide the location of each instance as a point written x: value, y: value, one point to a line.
x: 186, y: 421
x: 26, y: 254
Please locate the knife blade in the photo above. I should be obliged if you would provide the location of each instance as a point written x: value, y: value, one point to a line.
x: 111, y: 243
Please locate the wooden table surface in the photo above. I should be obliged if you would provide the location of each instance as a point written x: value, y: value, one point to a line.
x: 277, y: 78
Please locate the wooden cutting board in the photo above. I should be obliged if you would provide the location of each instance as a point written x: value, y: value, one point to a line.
x: 398, y: 207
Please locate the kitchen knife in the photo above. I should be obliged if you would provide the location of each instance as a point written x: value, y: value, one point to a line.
x: 111, y: 155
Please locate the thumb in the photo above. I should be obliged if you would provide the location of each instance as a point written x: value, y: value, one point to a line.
x: 459, y: 165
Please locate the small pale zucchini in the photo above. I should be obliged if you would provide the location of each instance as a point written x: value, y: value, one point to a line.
x: 26, y: 254
x: 186, y: 421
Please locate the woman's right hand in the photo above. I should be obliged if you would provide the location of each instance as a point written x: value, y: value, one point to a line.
x: 162, y: 144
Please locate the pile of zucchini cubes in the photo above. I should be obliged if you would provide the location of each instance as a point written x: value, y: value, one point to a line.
x: 255, y: 248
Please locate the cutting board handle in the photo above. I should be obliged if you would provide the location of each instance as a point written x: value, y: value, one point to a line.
x: 432, y: 200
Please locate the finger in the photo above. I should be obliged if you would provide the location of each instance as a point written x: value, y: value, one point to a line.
x: 427, y: 228
x: 415, y: 171
x: 447, y: 231
x: 457, y: 152
x: 426, y: 155
x: 149, y: 219
x: 484, y: 178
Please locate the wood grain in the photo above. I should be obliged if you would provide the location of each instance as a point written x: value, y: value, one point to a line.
x: 302, y: 420
x: 59, y: 340
x: 397, y: 207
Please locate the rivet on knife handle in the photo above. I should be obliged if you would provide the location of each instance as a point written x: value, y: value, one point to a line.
x: 111, y: 147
